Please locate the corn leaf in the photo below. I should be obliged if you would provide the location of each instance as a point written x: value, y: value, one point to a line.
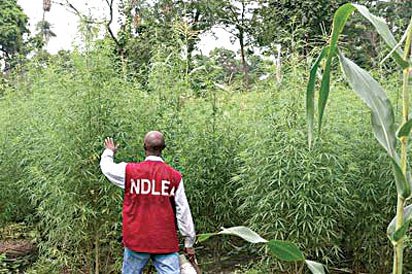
x: 404, y: 36
x: 405, y: 129
x: 315, y: 267
x: 371, y: 92
x: 399, y: 233
x: 285, y: 251
x: 407, y: 218
x: 403, y: 185
x: 245, y: 233
x: 310, y: 93
x: 383, y: 120
x: 383, y: 30
x: 339, y: 20
x: 205, y: 236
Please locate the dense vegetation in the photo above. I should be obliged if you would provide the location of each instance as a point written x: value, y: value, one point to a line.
x: 245, y: 152
x: 241, y: 146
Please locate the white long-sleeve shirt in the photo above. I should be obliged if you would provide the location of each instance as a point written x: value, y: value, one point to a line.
x: 116, y: 173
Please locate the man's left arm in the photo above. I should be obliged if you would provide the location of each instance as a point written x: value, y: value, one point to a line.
x: 184, y: 217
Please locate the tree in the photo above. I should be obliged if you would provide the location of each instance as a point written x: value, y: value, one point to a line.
x: 302, y: 25
x: 226, y: 60
x: 164, y: 25
x: 237, y: 19
x: 199, y: 17
x: 366, y: 47
x: 297, y: 25
x: 13, y: 28
x: 172, y: 21
x: 45, y: 32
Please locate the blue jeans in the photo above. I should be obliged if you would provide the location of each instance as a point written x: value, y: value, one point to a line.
x: 134, y: 262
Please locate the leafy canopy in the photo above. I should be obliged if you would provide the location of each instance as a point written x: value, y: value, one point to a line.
x: 13, y: 27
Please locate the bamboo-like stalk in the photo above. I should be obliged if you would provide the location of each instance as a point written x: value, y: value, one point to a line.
x: 399, y: 246
x: 97, y: 254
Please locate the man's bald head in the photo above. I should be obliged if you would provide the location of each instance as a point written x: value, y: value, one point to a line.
x: 154, y: 143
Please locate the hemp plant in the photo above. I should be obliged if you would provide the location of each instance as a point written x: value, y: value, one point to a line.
x: 383, y: 118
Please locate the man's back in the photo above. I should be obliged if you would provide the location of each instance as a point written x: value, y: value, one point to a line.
x: 149, y: 223
x: 154, y: 202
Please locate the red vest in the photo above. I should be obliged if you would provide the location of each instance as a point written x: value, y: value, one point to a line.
x: 149, y: 222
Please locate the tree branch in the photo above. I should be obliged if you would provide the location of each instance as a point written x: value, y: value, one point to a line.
x: 234, y: 14
x: 109, y: 29
x: 75, y: 11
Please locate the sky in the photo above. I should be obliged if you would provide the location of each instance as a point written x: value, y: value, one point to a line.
x: 65, y: 24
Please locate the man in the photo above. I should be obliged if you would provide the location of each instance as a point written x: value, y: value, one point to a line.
x: 154, y: 199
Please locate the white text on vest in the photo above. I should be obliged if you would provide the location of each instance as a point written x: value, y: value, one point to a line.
x: 145, y: 186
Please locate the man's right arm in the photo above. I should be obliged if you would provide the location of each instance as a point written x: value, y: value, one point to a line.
x: 116, y: 173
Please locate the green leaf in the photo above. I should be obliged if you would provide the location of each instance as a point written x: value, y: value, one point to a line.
x: 285, y: 251
x: 407, y: 217
x: 383, y: 30
x: 245, y: 233
x: 315, y: 267
x: 369, y: 90
x: 324, y: 91
x: 404, y: 36
x: 339, y: 20
x: 383, y: 121
x: 205, y: 236
x: 403, y: 185
x: 405, y: 129
x: 398, y: 234
x: 310, y: 93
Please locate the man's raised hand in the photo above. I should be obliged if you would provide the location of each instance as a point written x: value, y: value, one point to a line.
x: 110, y: 144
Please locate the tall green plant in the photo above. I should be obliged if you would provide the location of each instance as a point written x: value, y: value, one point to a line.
x: 373, y: 95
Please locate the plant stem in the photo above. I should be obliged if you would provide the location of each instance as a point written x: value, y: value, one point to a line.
x: 398, y: 246
x: 97, y: 263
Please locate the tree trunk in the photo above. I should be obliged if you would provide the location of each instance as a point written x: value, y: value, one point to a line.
x: 243, y: 57
x: 241, y: 29
x: 190, y: 48
x: 191, y: 41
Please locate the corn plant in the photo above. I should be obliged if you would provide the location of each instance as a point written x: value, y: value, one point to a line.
x: 383, y: 118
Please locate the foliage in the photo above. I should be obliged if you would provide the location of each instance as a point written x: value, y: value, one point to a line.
x: 366, y: 47
x: 235, y: 16
x: 298, y: 25
x: 382, y: 115
x: 13, y: 22
x: 158, y: 25
x: 278, y: 190
x: 64, y: 188
x: 45, y: 32
x: 243, y: 157
x: 226, y: 60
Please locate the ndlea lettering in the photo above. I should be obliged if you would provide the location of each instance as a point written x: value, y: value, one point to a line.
x: 146, y: 186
